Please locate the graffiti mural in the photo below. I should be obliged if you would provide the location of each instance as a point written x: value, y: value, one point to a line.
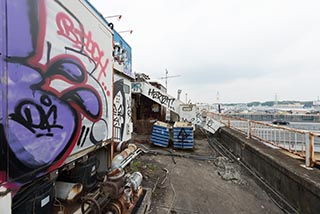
x: 157, y: 95
x: 187, y: 113
x: 119, y: 110
x: 136, y: 87
x: 58, y: 86
x: 129, y: 110
x: 211, y: 124
x: 200, y: 119
x: 122, y: 91
x: 162, y: 98
x: 122, y: 56
x: 122, y: 121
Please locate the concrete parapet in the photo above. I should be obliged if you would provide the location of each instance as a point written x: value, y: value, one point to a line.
x: 298, y: 185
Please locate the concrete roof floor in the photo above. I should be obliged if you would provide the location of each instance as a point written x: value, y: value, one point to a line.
x: 185, y: 185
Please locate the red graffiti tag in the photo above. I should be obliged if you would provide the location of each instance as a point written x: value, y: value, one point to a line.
x: 81, y: 40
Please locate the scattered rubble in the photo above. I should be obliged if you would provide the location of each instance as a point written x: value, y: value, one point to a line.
x: 227, y: 170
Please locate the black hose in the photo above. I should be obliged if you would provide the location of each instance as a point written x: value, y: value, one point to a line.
x: 90, y: 202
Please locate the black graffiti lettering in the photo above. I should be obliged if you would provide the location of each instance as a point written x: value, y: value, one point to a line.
x: 119, y: 54
x: 199, y: 118
x: 118, y: 121
x: 209, y: 124
x: 183, y: 135
x: 189, y: 121
x: 129, y: 113
x: 163, y: 99
x: 136, y: 87
x: 81, y: 134
x: 33, y: 116
x: 47, y: 134
x: 118, y: 115
x: 45, y: 100
x: 85, y: 137
x: 119, y: 110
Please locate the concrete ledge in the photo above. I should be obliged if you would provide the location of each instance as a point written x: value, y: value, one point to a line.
x: 300, y: 186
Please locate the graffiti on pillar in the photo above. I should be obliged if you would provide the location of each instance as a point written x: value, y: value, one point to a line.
x: 58, y: 86
x: 118, y: 110
x: 129, y: 111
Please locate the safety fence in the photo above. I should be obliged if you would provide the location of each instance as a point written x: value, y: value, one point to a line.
x: 299, y: 142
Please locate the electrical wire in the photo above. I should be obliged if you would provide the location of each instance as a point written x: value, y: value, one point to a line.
x: 58, y: 203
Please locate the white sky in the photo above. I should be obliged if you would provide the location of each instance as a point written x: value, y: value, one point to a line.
x: 247, y: 50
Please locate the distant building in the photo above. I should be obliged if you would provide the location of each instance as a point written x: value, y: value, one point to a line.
x: 316, y: 104
x: 290, y: 106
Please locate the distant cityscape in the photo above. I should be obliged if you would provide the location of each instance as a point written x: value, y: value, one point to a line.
x: 273, y: 107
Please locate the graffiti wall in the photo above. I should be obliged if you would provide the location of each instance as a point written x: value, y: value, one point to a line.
x: 122, y: 118
x: 156, y: 95
x: 187, y: 113
x: 122, y: 56
x: 3, y: 166
x: 58, y: 85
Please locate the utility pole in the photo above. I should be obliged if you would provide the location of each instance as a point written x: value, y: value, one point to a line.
x: 168, y: 115
x: 166, y: 79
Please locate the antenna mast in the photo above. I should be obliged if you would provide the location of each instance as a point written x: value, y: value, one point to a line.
x: 167, y: 77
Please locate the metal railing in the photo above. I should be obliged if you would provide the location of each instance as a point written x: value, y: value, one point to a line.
x: 298, y: 142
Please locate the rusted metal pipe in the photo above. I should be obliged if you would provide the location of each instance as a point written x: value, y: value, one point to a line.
x: 68, y: 191
x: 127, y: 195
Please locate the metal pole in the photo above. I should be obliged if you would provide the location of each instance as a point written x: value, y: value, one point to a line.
x: 114, y: 16
x: 249, y: 129
x: 167, y: 80
x: 309, y: 138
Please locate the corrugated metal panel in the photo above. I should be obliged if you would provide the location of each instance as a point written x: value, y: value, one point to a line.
x: 183, y: 136
x: 160, y: 135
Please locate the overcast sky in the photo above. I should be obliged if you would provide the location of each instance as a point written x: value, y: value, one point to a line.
x: 243, y: 50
